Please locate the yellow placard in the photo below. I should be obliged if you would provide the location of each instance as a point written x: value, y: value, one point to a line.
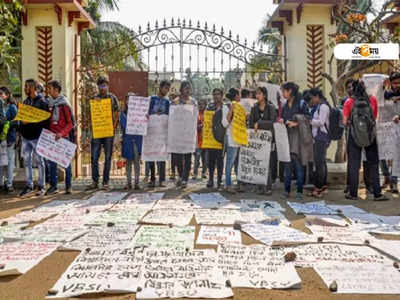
x: 209, y: 142
x: 29, y: 114
x: 102, y: 120
x: 239, y: 125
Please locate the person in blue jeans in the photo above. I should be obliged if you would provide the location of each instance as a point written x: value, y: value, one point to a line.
x: 61, y: 124
x: 106, y: 143
x: 10, y: 109
x: 232, y: 148
x: 293, y: 106
x: 30, y: 133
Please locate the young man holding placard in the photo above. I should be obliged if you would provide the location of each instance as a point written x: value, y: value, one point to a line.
x: 30, y: 132
x: 61, y: 123
x: 102, y: 136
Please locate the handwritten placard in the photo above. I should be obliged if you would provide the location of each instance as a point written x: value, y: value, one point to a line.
x: 254, y: 159
x: 138, y: 108
x: 166, y: 237
x: 101, y: 270
x: 155, y: 142
x: 239, y: 128
x: 102, y: 120
x: 212, y: 235
x: 181, y: 274
x: 209, y: 142
x: 356, y: 278
x: 182, y: 129
x: 386, y: 137
x: 282, y: 142
x: 169, y: 216
x: 256, y: 267
x: 29, y: 114
x: 61, y: 151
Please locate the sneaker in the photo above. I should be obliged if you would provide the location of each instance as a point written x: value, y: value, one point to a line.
x: 52, y: 191
x: 106, y: 187
x: 194, y: 177
x: 179, y: 182
x: 299, y: 196
x: 40, y: 192
x: 151, y: 185
x: 128, y: 187
x: 268, y: 192
x: 146, y: 179
x: 285, y: 195
x: 204, y: 176
x: 27, y: 190
x: 184, y: 184
x: 137, y: 187
x: 350, y: 197
x: 161, y: 184
x: 10, y: 190
x: 93, y: 186
x: 68, y: 191
x: 210, y: 184
x: 381, y: 198
x: 172, y: 177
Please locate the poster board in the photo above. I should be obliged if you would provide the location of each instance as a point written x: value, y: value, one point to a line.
x: 209, y: 142
x: 282, y: 142
x: 101, y: 118
x: 138, y: 108
x: 29, y: 114
x: 155, y: 142
x: 239, y: 128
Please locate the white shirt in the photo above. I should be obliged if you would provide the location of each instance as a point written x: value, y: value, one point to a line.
x: 320, y: 119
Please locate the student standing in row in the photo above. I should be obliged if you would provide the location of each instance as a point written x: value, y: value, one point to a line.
x: 159, y: 105
x: 131, y: 148
x: 232, y: 147
x: 262, y: 117
x: 183, y: 161
x: 107, y: 143
x: 61, y: 123
x: 360, y: 113
x: 30, y: 133
x: 215, y: 157
x: 320, y: 125
x: 10, y: 109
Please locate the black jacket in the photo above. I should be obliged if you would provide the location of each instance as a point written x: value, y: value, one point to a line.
x: 32, y: 131
x: 265, y: 121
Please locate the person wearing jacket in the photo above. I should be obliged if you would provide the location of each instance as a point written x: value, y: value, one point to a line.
x: 215, y: 157
x: 131, y: 149
x: 10, y: 109
x: 30, y: 133
x: 262, y: 117
x: 320, y: 125
x: 61, y: 123
x: 294, y: 109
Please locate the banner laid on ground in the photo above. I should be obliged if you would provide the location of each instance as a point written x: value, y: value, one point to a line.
x: 254, y: 159
x: 182, y: 129
x: 239, y: 128
x: 282, y: 142
x: 155, y: 142
x: 166, y: 237
x: 209, y: 142
x: 137, y: 120
x: 212, y: 235
x: 102, y: 120
x: 61, y: 151
x: 29, y: 114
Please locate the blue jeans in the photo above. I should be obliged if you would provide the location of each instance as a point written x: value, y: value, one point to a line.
x: 54, y: 175
x: 386, y: 172
x: 96, y: 145
x: 10, y: 167
x: 231, y: 153
x: 29, y: 151
x: 289, y: 167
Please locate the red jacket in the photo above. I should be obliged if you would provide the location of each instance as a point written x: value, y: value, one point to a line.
x: 64, y: 124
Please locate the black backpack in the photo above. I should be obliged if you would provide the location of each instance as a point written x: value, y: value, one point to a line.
x: 362, y: 123
x: 336, y: 128
x: 218, y: 129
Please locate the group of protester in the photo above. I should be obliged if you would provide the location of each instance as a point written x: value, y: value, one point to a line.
x: 312, y: 124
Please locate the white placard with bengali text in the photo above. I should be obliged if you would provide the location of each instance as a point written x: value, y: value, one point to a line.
x: 155, y: 142
x: 61, y: 152
x: 282, y: 142
x: 138, y: 108
x: 212, y: 235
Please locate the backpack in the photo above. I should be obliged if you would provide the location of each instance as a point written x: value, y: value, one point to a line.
x: 362, y: 123
x: 218, y: 129
x: 336, y: 128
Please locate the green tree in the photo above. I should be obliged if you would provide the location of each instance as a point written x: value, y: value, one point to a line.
x: 10, y: 39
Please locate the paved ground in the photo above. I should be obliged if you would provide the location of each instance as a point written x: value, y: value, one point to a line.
x: 35, y: 283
